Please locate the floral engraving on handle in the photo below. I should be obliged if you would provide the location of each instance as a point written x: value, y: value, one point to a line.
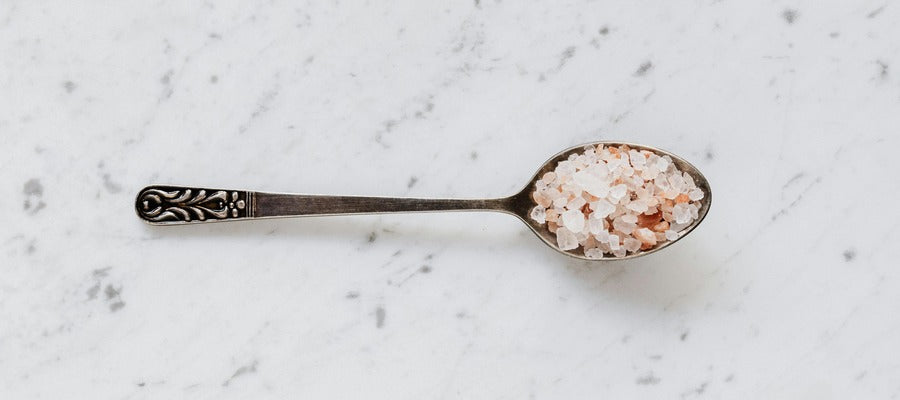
x: 172, y: 204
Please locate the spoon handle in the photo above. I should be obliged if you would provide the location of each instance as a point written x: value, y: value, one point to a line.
x: 178, y: 205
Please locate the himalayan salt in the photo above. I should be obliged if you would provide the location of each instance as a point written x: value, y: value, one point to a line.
x: 632, y: 244
x: 596, y: 224
x: 682, y: 213
x: 539, y: 214
x: 565, y: 239
x: 615, y: 200
x: 573, y: 220
x: 593, y: 253
x: 646, y: 236
x: 614, y: 242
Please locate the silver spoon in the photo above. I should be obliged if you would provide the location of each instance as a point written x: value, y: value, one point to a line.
x: 179, y: 205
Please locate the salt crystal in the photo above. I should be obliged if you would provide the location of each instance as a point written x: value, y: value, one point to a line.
x: 595, y: 224
x: 662, y: 164
x: 572, y: 188
x: 689, y: 180
x: 660, y: 236
x: 695, y: 194
x: 613, y: 242
x: 582, y: 237
x: 560, y: 201
x: 637, y: 159
x: 671, y: 235
x: 677, y: 182
x: 549, y: 177
x: 552, y: 215
x: 617, y: 192
x: 565, y: 239
x: 682, y: 213
x: 573, y: 220
x: 539, y: 214
x: 565, y: 168
x: 645, y: 235
x: 623, y: 226
x: 649, y: 173
x: 603, y: 208
x: 576, y: 203
x: 632, y: 244
x: 594, y: 253
x: 638, y: 206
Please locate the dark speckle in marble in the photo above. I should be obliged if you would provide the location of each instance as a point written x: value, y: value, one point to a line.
x: 110, y: 186
x: 372, y: 237
x: 684, y: 335
x: 214, y: 79
x: 874, y: 13
x: 647, y: 379
x: 699, y: 390
x: 69, y: 86
x: 565, y: 56
x: 244, y: 370
x: 113, y: 296
x: 425, y: 269
x: 390, y: 124
x: 167, y: 77
x: 352, y: 294
x: 709, y: 155
x: 603, y: 31
x: 33, y: 191
x: 473, y: 155
x: 100, y: 272
x: 883, y: 69
x: 428, y: 108
x: 33, y: 187
x: 92, y: 291
x: 643, y: 69
x: 380, y: 315
x: 790, y: 15
x: 849, y: 255
x: 110, y: 292
x: 412, y: 182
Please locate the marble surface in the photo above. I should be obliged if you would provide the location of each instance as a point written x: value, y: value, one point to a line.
x: 789, y: 289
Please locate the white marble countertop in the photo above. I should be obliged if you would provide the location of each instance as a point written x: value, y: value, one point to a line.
x: 789, y: 289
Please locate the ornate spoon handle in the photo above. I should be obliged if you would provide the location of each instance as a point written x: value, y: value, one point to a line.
x: 176, y: 205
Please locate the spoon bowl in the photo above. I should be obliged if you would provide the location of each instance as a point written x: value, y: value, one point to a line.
x: 180, y: 205
x: 523, y: 203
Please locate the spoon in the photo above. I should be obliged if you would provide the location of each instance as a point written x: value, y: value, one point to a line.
x: 179, y: 205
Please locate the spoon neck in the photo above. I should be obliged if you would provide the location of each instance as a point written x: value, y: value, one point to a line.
x: 268, y: 205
